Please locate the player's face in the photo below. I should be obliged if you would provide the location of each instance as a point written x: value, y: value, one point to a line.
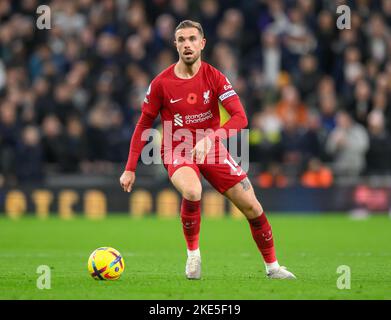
x: 189, y: 44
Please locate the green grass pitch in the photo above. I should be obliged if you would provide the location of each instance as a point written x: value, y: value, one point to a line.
x: 311, y: 246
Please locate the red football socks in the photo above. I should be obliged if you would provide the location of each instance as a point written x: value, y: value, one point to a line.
x: 191, y: 220
x: 263, y: 237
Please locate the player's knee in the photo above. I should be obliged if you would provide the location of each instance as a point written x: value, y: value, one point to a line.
x: 192, y: 193
x: 253, y: 210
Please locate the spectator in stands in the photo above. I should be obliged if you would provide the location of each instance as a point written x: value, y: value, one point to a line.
x: 9, y: 131
x: 291, y: 105
x: 164, y: 59
x: 263, y: 65
x: 297, y: 144
x: 136, y: 52
x: 68, y: 19
x: 164, y: 31
x: 274, y: 17
x: 348, y: 144
x: 326, y: 87
x: 377, y: 36
x: 229, y: 29
x: 379, y: 152
x: 265, y: 135
x: 328, y: 110
x: 53, y: 141
x: 271, y: 58
x: 362, y: 101
x: 42, y: 63
x: 386, y: 10
x: 29, y: 157
x: 107, y: 52
x: 63, y: 104
x: 97, y: 126
x: 209, y: 18
x: 381, y: 103
x: 117, y: 137
x: 224, y: 59
x: 307, y: 79
x: 44, y: 103
x: 75, y: 144
x: 325, y: 35
x: 298, y: 39
x: 317, y: 175
x: 353, y: 70
x: 273, y: 177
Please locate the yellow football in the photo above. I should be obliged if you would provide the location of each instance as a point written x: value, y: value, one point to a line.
x: 106, y: 263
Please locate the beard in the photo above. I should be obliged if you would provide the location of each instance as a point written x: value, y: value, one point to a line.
x: 190, y: 60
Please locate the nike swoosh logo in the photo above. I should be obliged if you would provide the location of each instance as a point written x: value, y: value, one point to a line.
x: 173, y: 101
x: 188, y: 225
x: 270, y: 236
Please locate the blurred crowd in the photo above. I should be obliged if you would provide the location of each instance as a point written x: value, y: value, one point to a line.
x: 317, y: 98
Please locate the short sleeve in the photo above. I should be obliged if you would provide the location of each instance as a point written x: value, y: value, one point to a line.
x: 224, y: 89
x: 153, y: 99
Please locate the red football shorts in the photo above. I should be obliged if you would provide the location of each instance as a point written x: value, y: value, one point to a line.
x: 222, y: 173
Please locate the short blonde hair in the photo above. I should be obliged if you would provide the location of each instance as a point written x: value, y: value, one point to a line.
x: 190, y: 24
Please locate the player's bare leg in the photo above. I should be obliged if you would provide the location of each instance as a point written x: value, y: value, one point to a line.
x: 243, y: 196
x: 186, y: 181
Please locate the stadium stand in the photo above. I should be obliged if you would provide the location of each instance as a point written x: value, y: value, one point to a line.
x: 316, y: 96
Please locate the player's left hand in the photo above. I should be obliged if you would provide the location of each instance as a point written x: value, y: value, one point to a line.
x: 201, y: 149
x: 127, y: 180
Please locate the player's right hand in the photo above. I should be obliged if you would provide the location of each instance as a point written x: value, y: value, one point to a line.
x: 127, y: 180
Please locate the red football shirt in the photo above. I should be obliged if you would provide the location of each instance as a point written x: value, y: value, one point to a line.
x: 189, y: 104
